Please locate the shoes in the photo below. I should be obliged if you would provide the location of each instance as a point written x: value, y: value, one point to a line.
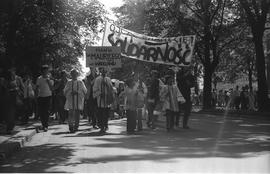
x: 95, y: 127
x: 9, y: 132
x: 45, y: 129
x: 102, y: 131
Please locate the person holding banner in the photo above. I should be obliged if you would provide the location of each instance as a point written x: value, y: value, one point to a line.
x: 75, y: 92
x: 103, y: 92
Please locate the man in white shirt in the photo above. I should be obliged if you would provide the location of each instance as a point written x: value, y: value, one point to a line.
x: 44, y: 91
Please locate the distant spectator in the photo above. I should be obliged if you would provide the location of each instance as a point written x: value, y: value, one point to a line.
x: 214, y: 98
x: 220, y: 98
x: 244, y: 98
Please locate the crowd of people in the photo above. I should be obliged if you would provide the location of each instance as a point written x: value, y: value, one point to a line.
x: 233, y: 99
x: 96, y: 97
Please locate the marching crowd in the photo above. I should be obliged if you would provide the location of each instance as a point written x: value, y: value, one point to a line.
x: 96, y: 97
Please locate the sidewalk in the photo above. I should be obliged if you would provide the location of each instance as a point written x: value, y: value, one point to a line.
x: 10, y: 144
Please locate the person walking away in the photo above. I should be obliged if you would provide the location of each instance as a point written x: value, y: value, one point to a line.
x: 75, y: 92
x: 140, y: 96
x: 103, y: 92
x: 91, y: 102
x: 185, y: 81
x: 172, y: 100
x: 29, y: 97
x: 152, y: 98
x: 44, y: 87
x: 60, y: 97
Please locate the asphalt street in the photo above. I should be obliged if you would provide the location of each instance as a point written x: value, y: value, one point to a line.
x: 213, y: 144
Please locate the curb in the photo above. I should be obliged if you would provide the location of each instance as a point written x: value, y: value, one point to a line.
x: 15, y: 143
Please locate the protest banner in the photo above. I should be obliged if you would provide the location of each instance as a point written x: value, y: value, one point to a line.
x: 103, y: 57
x: 172, y: 51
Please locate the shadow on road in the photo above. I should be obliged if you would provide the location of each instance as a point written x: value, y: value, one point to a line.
x: 49, y: 155
x: 209, y: 137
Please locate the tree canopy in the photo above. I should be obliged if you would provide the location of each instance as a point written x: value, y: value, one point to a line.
x: 35, y: 32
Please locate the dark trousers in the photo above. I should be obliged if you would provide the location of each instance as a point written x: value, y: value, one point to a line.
x: 44, y: 110
x: 139, y: 118
x: 73, y: 119
x: 60, y: 108
x: 10, y: 117
x: 92, y: 111
x: 131, y: 120
x: 28, y: 109
x: 151, y: 117
x: 103, y: 115
x: 186, y: 109
x: 170, y: 119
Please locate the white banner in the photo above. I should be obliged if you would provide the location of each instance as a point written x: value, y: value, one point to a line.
x: 103, y: 57
x: 172, y: 51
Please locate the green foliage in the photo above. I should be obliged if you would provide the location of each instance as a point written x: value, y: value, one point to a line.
x: 47, y: 31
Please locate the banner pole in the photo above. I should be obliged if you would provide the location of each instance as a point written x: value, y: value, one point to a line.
x: 105, y: 26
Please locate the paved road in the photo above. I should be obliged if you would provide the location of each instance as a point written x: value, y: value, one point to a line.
x: 214, y: 144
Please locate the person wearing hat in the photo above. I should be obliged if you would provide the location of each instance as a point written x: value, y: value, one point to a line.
x: 75, y: 92
x: 44, y: 87
x: 103, y: 92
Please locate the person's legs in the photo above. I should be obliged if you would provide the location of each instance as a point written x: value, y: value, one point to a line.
x: 71, y: 120
x: 10, y: 118
x: 47, y: 105
x: 150, y: 114
x: 186, y: 114
x: 99, y: 117
x: 106, y: 117
x: 139, y: 119
x: 167, y: 120
x: 77, y: 120
x: 41, y: 110
x: 131, y: 121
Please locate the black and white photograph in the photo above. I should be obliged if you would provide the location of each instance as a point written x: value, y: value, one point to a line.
x: 135, y: 86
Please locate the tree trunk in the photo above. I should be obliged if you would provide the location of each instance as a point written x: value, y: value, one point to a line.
x: 263, y: 101
x: 207, y: 88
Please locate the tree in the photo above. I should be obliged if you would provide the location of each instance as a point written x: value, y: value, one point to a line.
x: 256, y: 13
x: 47, y: 31
x: 214, y: 22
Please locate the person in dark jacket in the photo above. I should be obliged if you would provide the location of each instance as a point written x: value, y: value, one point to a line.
x: 185, y: 81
